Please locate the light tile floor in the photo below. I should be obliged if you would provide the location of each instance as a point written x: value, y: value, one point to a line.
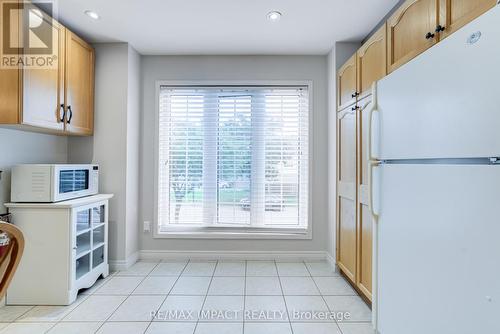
x: 197, y: 297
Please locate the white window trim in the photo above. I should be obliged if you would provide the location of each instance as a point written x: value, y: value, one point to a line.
x: 185, y: 232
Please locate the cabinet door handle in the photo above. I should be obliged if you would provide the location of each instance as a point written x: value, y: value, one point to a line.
x: 61, y: 119
x: 440, y: 28
x: 355, y: 94
x: 355, y: 108
x: 430, y: 35
x: 70, y: 114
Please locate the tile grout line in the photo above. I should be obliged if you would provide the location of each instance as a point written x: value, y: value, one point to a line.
x: 206, y: 296
x: 168, y: 294
x: 284, y: 299
x: 169, y: 291
x: 54, y: 323
x: 130, y: 294
x: 18, y: 317
x: 244, y: 298
x: 322, y: 297
x: 85, y: 297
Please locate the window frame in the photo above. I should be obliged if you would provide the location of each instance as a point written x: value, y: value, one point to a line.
x: 221, y: 232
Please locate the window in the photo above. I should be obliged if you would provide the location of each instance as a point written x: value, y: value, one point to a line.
x: 233, y: 158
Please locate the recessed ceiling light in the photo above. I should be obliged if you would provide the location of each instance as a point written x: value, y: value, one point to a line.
x: 92, y: 14
x: 274, y: 16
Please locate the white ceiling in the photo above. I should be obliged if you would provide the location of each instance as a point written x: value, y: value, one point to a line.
x: 224, y: 27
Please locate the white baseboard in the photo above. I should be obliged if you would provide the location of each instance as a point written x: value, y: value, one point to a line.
x: 117, y: 265
x: 331, y: 260
x: 232, y: 255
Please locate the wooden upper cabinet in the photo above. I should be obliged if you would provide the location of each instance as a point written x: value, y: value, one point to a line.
x: 372, y: 61
x: 346, y: 83
x: 411, y: 30
x: 38, y: 97
x: 454, y: 14
x: 43, y: 89
x: 79, y: 86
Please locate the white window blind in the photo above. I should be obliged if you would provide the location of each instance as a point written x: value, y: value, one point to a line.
x: 233, y: 157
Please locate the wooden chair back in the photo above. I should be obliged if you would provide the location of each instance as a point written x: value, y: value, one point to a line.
x: 10, y: 255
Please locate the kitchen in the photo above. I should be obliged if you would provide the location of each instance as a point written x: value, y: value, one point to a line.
x: 341, y: 183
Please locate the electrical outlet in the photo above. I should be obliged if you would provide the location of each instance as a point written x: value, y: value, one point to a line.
x: 147, y: 226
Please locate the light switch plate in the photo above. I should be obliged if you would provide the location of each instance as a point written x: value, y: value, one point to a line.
x: 147, y: 226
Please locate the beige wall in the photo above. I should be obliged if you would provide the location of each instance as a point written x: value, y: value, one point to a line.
x: 115, y: 144
x: 18, y: 147
x: 238, y: 68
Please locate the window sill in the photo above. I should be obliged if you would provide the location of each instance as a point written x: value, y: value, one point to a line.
x: 210, y: 234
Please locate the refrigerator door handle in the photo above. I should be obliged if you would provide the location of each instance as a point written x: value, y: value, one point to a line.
x: 372, y: 164
x: 370, y: 122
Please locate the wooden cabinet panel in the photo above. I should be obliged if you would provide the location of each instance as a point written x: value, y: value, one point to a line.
x: 43, y: 89
x: 10, y: 104
x: 346, y: 201
x: 454, y: 14
x: 347, y: 146
x: 346, y: 83
x: 407, y: 29
x: 347, y: 237
x: 10, y: 81
x: 364, y: 251
x: 372, y: 61
x: 79, y: 85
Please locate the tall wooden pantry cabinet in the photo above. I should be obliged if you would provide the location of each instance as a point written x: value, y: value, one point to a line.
x: 354, y: 227
x: 413, y: 28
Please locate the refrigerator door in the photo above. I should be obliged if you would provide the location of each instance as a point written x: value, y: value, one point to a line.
x: 446, y: 102
x: 438, y: 248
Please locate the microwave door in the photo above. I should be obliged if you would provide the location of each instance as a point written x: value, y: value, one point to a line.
x: 72, y: 182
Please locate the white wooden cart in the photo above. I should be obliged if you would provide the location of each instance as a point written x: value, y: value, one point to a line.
x: 66, y: 249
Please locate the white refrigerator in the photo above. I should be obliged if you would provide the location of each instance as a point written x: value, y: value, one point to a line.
x: 435, y: 194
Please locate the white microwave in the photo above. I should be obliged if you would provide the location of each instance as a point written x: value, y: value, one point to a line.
x: 53, y: 183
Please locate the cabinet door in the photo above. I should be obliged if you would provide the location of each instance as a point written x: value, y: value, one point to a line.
x: 346, y: 201
x: 372, y: 61
x: 43, y: 89
x: 454, y: 14
x: 346, y: 83
x: 90, y: 241
x: 79, y: 85
x: 10, y: 79
x: 365, y: 222
x: 99, y: 235
x: 407, y: 31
